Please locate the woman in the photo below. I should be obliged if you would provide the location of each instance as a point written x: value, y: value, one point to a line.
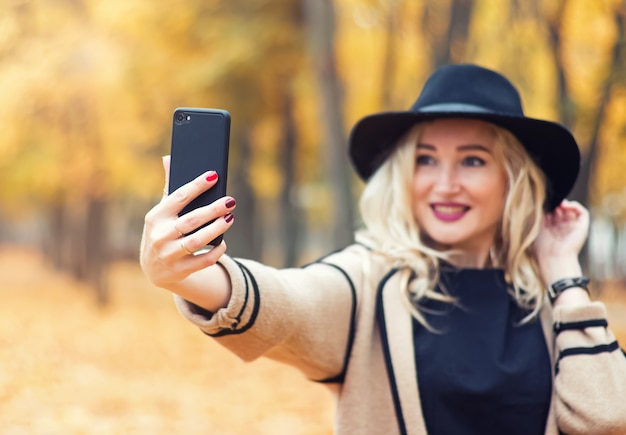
x: 462, y: 309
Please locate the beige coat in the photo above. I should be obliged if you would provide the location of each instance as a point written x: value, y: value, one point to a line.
x: 342, y: 320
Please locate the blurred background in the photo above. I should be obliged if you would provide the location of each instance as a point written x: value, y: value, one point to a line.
x: 87, y: 91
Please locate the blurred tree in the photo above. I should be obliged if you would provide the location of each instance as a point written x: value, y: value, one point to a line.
x: 289, y: 206
x: 613, y: 75
x: 239, y: 55
x: 258, y: 89
x: 88, y: 89
x: 448, y: 24
x: 565, y: 104
x: 393, y: 13
x: 320, y: 22
x: 59, y: 172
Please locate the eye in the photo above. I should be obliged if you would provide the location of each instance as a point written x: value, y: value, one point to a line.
x: 425, y: 160
x: 473, y: 161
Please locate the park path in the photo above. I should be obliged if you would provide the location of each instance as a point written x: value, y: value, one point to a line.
x: 68, y: 367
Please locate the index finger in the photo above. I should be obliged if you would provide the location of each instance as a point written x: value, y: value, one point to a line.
x: 182, y: 196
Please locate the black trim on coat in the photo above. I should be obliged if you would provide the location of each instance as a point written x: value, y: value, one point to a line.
x: 257, y: 300
x: 380, y: 316
x: 245, y: 298
x: 602, y: 348
x: 559, y: 327
x: 340, y: 377
x: 249, y: 279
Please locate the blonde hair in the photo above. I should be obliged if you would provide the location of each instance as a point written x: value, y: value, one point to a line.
x: 392, y: 231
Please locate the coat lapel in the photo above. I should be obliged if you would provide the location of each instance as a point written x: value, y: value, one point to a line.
x: 545, y: 316
x: 396, y: 329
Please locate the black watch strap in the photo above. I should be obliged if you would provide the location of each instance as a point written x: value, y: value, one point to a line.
x: 558, y: 287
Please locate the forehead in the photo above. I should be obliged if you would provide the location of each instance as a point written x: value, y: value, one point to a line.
x: 458, y: 131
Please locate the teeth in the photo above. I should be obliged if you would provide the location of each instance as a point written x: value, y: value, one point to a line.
x: 449, y: 209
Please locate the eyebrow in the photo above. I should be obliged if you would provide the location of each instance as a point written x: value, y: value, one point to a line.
x: 469, y: 147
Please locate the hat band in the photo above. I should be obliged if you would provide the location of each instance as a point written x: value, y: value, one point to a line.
x: 454, y: 107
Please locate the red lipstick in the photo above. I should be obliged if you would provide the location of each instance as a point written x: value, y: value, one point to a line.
x: 449, y: 211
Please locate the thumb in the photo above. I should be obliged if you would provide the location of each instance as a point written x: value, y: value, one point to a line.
x: 166, y: 168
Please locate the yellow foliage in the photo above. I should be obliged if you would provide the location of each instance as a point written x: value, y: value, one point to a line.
x: 612, y: 157
x: 88, y: 87
x: 265, y: 180
x: 590, y: 32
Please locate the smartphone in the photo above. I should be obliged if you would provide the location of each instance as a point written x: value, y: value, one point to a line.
x: 200, y: 142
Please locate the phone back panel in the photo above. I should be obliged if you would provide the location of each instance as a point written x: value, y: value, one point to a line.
x: 200, y: 142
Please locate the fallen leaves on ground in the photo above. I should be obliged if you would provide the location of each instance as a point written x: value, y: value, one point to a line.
x: 133, y: 367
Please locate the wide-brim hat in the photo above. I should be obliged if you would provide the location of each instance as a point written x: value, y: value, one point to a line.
x: 471, y: 91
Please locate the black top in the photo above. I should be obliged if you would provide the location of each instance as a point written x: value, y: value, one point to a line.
x: 482, y: 373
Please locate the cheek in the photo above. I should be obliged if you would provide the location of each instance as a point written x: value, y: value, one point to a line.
x: 423, y: 178
x: 419, y: 190
x: 502, y: 186
x: 494, y: 193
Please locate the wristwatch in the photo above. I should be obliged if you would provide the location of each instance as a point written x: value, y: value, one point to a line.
x: 558, y: 287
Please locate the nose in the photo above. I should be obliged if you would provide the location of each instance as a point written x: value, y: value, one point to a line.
x: 447, y: 180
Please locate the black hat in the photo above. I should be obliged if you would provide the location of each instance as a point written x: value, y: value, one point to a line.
x: 470, y: 91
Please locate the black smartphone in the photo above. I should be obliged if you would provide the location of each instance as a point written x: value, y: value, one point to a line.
x: 200, y: 142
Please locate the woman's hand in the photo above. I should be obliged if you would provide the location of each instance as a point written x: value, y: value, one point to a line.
x: 563, y: 232
x: 562, y: 236
x: 166, y: 255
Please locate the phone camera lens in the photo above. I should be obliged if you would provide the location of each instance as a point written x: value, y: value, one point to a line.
x: 180, y: 117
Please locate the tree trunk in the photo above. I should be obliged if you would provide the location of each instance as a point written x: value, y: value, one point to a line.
x: 96, y: 248
x: 449, y: 38
x: 70, y: 248
x: 320, y: 22
x: 290, y: 211
x: 458, y: 30
x: 53, y: 235
x: 390, y: 55
x: 566, y: 106
x: 245, y: 238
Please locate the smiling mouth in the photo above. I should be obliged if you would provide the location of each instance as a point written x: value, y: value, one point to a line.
x: 447, y: 212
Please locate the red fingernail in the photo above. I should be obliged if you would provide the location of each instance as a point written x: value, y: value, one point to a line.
x: 230, y: 203
x: 228, y: 217
x: 212, y: 176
